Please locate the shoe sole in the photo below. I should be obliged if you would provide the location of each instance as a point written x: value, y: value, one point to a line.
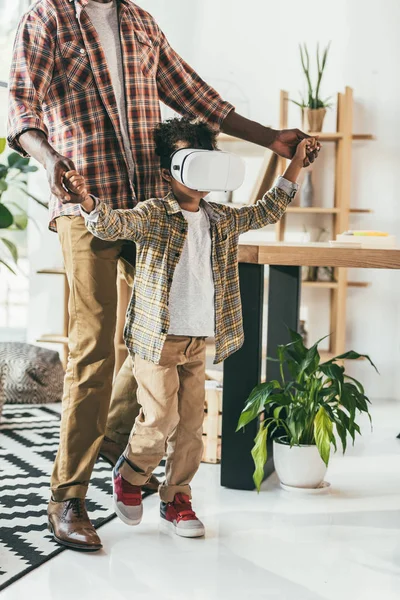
x: 168, y: 527
x: 71, y: 545
x: 120, y: 515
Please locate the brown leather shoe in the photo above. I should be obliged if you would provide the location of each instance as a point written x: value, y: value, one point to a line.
x: 70, y: 525
x: 111, y: 451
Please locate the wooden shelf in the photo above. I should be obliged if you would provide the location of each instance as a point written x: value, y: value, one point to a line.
x: 361, y: 211
x: 53, y: 339
x: 322, y: 285
x: 51, y: 272
x: 323, y: 136
x: 317, y: 210
x: 333, y: 285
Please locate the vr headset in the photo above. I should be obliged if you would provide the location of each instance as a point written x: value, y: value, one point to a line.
x: 208, y: 170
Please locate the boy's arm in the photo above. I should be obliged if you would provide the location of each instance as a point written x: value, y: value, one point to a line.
x: 267, y: 211
x: 274, y: 203
x: 121, y: 224
x: 101, y: 220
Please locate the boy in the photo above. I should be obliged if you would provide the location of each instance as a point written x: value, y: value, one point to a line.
x: 186, y: 289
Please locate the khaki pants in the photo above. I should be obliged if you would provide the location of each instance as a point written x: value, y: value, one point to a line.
x: 172, y: 396
x: 91, y: 266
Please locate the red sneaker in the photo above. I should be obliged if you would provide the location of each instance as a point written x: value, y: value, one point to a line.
x: 127, y: 500
x: 178, y: 516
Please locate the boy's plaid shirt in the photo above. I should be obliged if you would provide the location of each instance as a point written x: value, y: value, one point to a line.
x: 60, y: 84
x: 159, y: 230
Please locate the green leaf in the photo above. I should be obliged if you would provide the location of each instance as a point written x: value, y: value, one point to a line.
x: 342, y: 434
x: 259, y: 454
x: 21, y: 221
x: 6, y: 218
x: 3, y: 186
x: 11, y: 247
x: 333, y: 371
x: 3, y: 144
x: 2, y: 262
x: 323, y: 433
x: 15, y: 161
x: 256, y: 401
x: 351, y: 355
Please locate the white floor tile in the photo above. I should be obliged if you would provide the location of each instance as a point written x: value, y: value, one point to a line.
x: 345, y: 545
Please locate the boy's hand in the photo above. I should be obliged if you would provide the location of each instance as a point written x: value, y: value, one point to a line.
x: 305, y: 148
x: 76, y: 186
x: 77, y: 190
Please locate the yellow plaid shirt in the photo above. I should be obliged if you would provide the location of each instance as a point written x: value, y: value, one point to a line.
x: 159, y: 229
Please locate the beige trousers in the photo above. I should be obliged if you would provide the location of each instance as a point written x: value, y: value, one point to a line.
x: 91, y: 265
x: 171, y: 395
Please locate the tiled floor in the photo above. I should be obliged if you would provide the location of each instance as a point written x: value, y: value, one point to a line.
x: 342, y: 546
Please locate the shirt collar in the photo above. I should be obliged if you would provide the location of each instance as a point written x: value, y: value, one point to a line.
x: 172, y: 207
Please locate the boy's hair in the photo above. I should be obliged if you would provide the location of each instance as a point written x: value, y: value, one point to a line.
x: 196, y: 134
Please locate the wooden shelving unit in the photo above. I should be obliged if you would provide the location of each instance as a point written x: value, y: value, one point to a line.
x: 340, y: 212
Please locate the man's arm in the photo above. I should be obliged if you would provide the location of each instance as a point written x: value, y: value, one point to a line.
x: 283, y: 142
x: 30, y: 77
x: 181, y: 88
x: 184, y: 91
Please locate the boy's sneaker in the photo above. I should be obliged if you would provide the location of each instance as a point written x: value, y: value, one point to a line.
x: 179, y: 517
x: 127, y: 500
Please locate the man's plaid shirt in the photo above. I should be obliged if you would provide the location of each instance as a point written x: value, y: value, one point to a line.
x: 159, y: 229
x: 61, y: 85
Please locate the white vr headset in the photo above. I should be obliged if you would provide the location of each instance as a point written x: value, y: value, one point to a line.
x: 208, y: 170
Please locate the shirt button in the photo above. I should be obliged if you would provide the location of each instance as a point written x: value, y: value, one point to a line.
x: 82, y: 51
x: 177, y: 254
x: 163, y: 331
x: 169, y: 279
x: 183, y: 230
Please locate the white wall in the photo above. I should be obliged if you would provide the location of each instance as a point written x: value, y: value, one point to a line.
x: 249, y: 51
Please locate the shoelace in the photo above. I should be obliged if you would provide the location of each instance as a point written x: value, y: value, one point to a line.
x: 76, y: 505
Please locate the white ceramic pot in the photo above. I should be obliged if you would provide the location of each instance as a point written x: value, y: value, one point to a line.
x: 299, y: 466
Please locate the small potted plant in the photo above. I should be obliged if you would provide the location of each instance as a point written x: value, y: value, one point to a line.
x: 304, y: 414
x: 313, y: 108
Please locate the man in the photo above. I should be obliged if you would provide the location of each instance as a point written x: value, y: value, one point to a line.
x: 86, y: 80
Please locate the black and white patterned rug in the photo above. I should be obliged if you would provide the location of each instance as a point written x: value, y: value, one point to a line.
x: 29, y: 437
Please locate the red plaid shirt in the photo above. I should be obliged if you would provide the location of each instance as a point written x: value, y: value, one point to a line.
x: 60, y: 84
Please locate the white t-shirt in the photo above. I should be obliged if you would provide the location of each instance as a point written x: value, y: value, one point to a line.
x: 191, y: 300
x: 104, y: 18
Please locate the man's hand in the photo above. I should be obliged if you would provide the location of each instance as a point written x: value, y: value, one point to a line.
x: 56, y: 167
x: 287, y: 140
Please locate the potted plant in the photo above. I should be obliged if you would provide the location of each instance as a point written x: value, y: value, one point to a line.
x: 304, y: 413
x: 313, y: 108
x: 12, y: 216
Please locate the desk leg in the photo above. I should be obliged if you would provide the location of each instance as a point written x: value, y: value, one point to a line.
x: 242, y: 372
x: 283, y: 312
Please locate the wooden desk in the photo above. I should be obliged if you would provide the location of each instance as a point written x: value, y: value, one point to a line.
x: 242, y: 371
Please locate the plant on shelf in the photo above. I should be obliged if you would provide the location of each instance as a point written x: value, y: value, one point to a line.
x: 313, y: 107
x: 12, y: 216
x: 304, y: 413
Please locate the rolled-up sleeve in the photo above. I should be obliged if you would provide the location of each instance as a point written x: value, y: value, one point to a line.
x: 30, y: 77
x: 181, y: 89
